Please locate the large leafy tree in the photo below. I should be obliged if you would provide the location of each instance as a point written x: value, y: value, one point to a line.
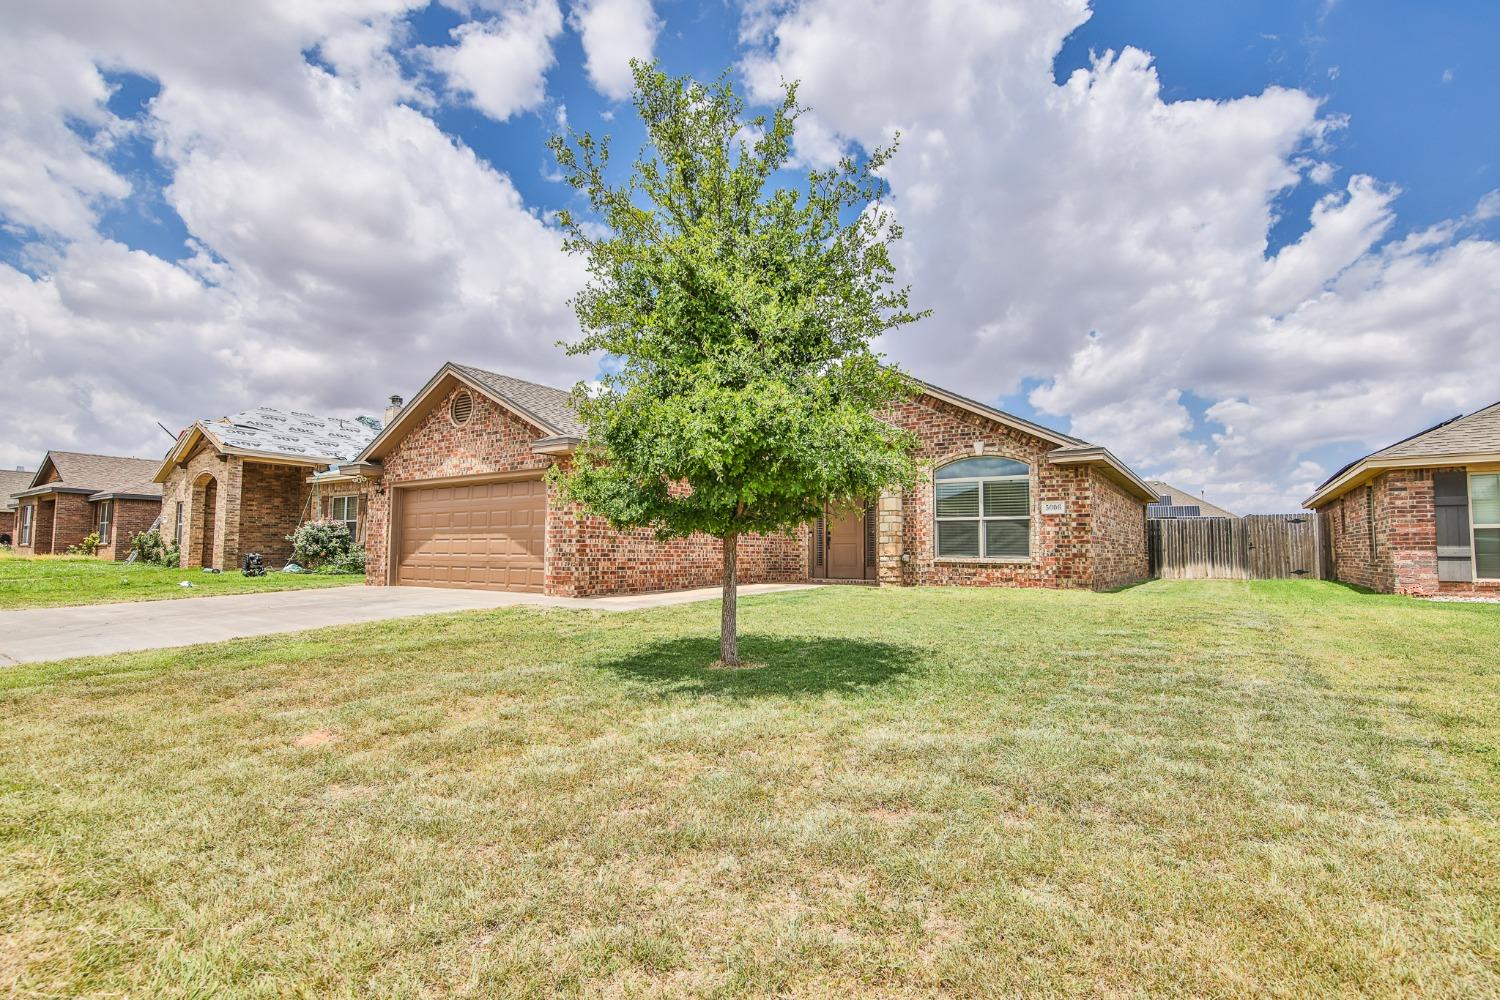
x: 739, y: 317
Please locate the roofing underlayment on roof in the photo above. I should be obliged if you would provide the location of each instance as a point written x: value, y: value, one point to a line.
x: 268, y: 430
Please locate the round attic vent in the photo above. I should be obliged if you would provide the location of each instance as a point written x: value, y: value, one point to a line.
x: 461, y: 408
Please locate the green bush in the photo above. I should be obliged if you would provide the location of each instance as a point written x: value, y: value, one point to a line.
x: 351, y: 562
x: 319, y: 543
x: 88, y: 547
x: 150, y: 548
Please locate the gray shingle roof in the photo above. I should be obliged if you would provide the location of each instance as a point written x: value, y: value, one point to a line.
x: 550, y: 407
x: 105, y: 473
x: 13, y: 481
x: 1477, y: 432
x: 293, y: 433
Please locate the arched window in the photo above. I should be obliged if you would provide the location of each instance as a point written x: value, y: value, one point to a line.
x: 983, y: 509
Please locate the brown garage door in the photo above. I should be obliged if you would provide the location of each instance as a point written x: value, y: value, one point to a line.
x: 489, y: 536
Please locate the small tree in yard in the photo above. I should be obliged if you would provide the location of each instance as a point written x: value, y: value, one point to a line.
x: 745, y: 391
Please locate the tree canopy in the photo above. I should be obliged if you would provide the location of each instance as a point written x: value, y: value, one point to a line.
x: 737, y: 319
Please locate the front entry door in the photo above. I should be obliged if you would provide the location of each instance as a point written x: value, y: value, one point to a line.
x: 846, y: 543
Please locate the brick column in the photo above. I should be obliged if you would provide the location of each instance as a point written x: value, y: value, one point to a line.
x: 889, y: 539
x: 227, y: 535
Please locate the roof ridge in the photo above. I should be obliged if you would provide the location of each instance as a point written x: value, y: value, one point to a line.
x: 513, y: 378
x: 96, y: 454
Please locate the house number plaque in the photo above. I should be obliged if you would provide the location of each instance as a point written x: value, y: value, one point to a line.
x: 1054, y: 507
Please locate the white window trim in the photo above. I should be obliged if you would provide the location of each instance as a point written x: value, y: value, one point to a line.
x: 27, y: 513
x: 980, y: 517
x: 105, y: 522
x: 177, y: 521
x: 348, y: 499
x: 1475, y: 526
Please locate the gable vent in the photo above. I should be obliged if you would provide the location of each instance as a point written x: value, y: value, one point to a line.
x: 461, y: 408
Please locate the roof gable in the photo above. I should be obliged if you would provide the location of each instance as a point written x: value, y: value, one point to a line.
x: 542, y: 406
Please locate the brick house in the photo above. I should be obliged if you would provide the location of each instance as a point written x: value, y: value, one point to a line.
x: 459, y: 500
x: 11, y: 483
x: 242, y: 483
x: 72, y: 494
x: 1421, y: 516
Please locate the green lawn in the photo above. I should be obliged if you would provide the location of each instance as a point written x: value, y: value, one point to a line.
x: 1272, y: 789
x: 53, y: 581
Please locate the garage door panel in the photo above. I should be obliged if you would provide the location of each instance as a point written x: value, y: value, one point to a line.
x: 489, y: 535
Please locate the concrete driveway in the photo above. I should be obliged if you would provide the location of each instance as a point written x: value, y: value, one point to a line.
x: 37, y: 634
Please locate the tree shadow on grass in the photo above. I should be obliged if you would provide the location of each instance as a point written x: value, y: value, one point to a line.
x: 783, y: 667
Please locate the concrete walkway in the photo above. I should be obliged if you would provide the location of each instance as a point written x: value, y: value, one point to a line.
x: 38, y: 634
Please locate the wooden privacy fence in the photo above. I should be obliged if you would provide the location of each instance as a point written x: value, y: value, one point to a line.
x: 1255, y: 547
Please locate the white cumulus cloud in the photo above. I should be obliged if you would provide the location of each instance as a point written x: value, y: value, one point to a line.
x: 1111, y: 245
x: 341, y: 244
x: 613, y: 33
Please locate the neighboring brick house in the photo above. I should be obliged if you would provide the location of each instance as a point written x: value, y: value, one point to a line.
x: 1421, y: 516
x: 11, y: 483
x: 460, y: 500
x: 243, y: 483
x: 72, y: 494
x: 1174, y: 502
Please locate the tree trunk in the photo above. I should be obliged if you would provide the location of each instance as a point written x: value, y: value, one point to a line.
x: 729, y: 640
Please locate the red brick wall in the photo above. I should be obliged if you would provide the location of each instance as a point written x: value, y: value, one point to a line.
x: 1063, y: 547
x: 271, y: 502
x: 1403, y: 556
x: 72, y: 520
x: 8, y: 524
x: 584, y: 555
x: 130, y: 517
x: 1119, y: 536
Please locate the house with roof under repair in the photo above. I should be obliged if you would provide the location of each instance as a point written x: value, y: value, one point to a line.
x: 1421, y: 516
x: 73, y: 494
x: 459, y: 498
x: 243, y: 483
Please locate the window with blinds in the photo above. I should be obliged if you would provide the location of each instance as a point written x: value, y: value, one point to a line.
x: 346, y: 509
x: 983, y: 509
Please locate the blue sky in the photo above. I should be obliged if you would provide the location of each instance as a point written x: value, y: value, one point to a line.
x: 1417, y: 83
x: 1239, y: 260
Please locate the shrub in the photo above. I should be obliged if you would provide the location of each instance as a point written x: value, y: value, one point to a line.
x: 315, y: 543
x: 88, y: 547
x: 150, y: 548
x: 350, y: 562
